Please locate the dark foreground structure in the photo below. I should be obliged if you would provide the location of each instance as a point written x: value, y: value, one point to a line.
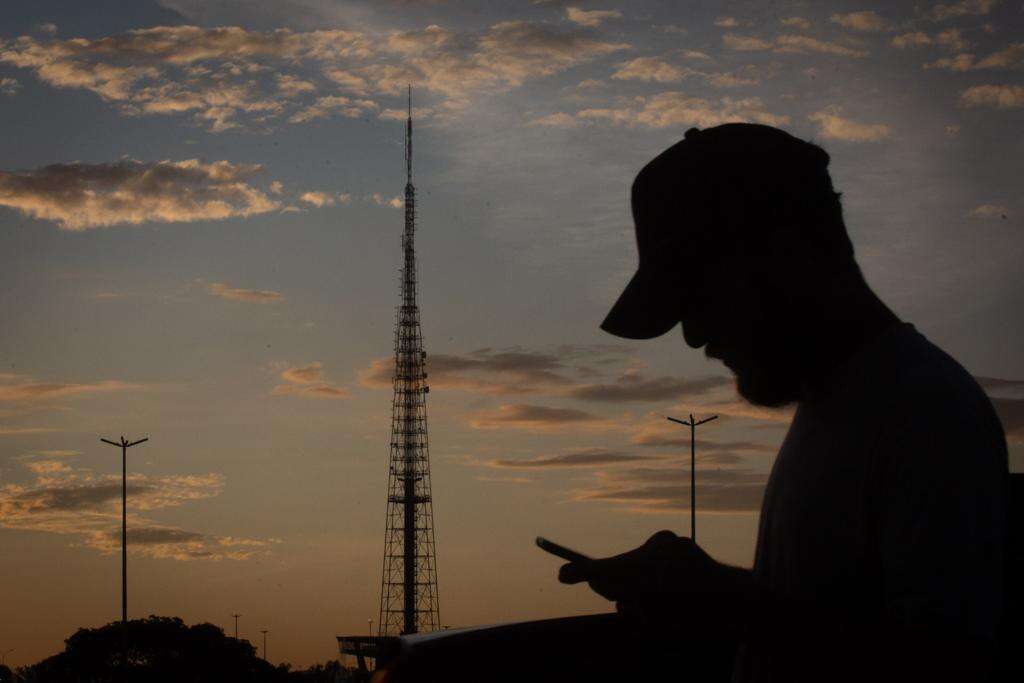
x: 610, y: 647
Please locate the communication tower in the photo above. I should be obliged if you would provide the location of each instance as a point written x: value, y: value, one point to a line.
x: 408, y: 593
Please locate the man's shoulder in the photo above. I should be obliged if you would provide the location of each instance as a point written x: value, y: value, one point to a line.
x: 931, y: 398
x: 925, y: 377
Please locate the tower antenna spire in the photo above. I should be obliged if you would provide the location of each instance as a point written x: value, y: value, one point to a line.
x: 408, y: 141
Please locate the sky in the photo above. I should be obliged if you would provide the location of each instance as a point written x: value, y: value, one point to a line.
x: 200, y: 223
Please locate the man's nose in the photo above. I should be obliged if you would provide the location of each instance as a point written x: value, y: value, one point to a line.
x: 694, y: 334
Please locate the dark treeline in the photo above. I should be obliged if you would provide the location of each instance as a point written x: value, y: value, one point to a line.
x: 165, y: 649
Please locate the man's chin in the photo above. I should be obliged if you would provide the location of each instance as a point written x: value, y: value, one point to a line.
x: 766, y: 391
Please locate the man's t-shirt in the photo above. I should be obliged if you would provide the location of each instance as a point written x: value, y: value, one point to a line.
x: 887, y: 500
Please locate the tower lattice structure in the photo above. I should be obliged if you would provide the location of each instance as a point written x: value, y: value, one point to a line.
x: 408, y: 594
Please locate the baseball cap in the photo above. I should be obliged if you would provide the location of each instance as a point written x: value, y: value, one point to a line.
x: 678, y: 200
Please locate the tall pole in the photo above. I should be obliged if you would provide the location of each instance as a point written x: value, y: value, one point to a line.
x: 264, y: 632
x: 124, y: 445
x: 236, y: 624
x: 693, y: 424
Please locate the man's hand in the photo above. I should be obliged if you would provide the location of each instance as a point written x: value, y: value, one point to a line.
x: 656, y: 581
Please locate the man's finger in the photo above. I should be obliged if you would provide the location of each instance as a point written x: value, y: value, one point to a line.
x: 574, y: 572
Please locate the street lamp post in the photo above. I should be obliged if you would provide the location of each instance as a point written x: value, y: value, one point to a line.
x: 264, y: 632
x: 236, y: 624
x: 693, y: 468
x: 124, y: 445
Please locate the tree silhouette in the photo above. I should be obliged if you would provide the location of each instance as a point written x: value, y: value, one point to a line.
x: 159, y: 649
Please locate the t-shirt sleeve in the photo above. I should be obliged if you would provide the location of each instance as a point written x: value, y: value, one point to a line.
x: 940, y: 513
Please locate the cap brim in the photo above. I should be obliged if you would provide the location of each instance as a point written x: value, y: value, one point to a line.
x: 644, y: 310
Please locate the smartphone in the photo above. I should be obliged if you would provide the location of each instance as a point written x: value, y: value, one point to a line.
x: 562, y: 552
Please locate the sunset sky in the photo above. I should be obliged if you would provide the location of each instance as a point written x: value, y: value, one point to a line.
x: 200, y: 224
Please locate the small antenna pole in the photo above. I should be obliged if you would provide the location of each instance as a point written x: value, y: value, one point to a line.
x: 692, y: 424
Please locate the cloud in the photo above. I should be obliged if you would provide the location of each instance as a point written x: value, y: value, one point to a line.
x: 634, y: 387
x: 57, y: 453
x: 741, y: 408
x: 504, y: 56
x: 291, y: 86
x: 666, y: 489
x: 988, y: 211
x: 534, y: 417
x: 658, y: 70
x: 87, y: 507
x: 587, y: 457
x: 663, y: 434
x: 744, y: 43
x: 334, y: 104
x: 31, y: 391
x: 649, y: 69
x: 255, y: 296
x: 676, y: 109
x: 803, y: 44
x: 513, y: 371
x: 80, y: 196
x: 728, y: 80
x: 592, y: 18
x: 308, y: 381
x: 230, y: 77
x: 788, y: 44
x: 1009, y: 58
x: 797, y: 22
x: 317, y: 199
x: 726, y: 22
x: 556, y: 120
x: 835, y: 127
x: 912, y: 39
x: 998, y: 96
x: 377, y: 198
x: 941, y: 11
x: 9, y: 86
x: 961, y: 62
x: 952, y: 39
x: 861, y: 21
x: 418, y: 113
x: 13, y: 431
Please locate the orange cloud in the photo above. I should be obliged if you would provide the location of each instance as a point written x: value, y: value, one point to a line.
x: 80, y: 196
x: 308, y: 381
x: 42, y: 391
x: 534, y: 417
x: 256, y: 296
x: 587, y: 457
x: 666, y: 489
x: 85, y: 506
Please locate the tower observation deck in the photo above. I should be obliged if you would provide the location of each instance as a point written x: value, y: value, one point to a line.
x: 408, y: 593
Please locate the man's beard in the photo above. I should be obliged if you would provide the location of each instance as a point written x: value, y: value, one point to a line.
x: 767, y: 388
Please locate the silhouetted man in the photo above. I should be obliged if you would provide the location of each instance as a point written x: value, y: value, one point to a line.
x: 881, y: 540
